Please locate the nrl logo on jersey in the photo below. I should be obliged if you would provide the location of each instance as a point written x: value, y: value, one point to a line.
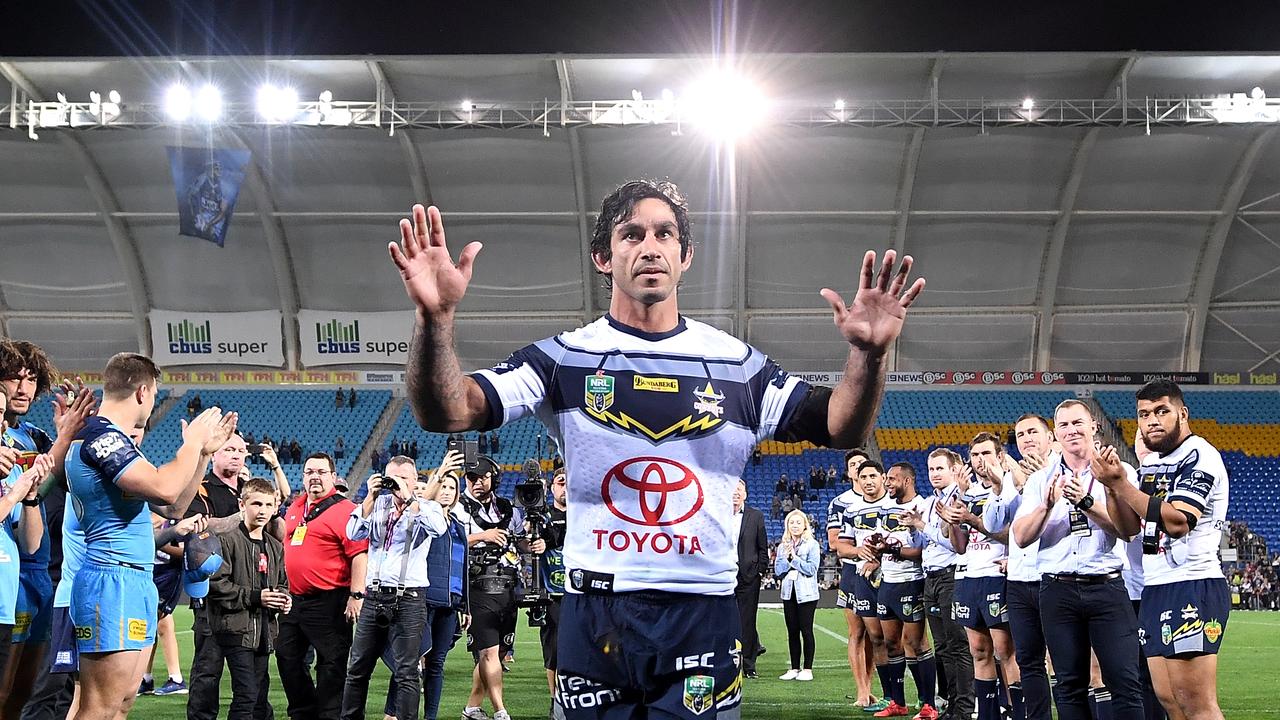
x: 599, y: 392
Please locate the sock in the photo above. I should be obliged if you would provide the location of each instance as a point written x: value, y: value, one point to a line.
x: 886, y: 682
x: 924, y: 671
x: 148, y: 677
x: 1100, y: 703
x: 1002, y: 691
x: 176, y: 678
x: 897, y: 676
x: 985, y: 693
x: 1017, y: 708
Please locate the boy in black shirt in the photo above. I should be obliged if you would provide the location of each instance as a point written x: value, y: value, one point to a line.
x: 245, y: 597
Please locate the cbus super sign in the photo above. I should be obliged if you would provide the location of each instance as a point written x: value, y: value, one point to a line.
x: 338, y: 338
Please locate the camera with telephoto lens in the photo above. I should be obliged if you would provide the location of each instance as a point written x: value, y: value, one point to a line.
x: 385, y: 611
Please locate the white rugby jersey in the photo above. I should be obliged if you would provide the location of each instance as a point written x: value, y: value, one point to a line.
x: 893, y: 570
x: 939, y: 553
x: 655, y: 429
x: 1193, y: 474
x: 862, y: 519
x: 835, y: 514
x: 982, y: 553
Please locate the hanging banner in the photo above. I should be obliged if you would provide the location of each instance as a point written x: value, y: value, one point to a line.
x: 207, y: 182
x: 247, y: 338
x: 345, y: 338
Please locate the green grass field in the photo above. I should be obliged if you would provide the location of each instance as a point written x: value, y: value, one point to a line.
x: 1248, y: 673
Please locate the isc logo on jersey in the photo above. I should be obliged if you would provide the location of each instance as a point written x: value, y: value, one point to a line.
x: 650, y: 493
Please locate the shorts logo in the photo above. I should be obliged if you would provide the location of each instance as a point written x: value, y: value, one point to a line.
x: 21, y: 624
x: 84, y: 632
x: 652, y: 491
x: 1142, y: 636
x: 599, y: 392
x: 1213, y: 630
x: 1188, y: 629
x: 509, y: 639
x: 575, y: 577
x: 1190, y: 612
x: 1166, y: 616
x: 960, y: 611
x: 1166, y: 634
x: 664, y: 385
x: 861, y: 604
x: 699, y: 693
x: 996, y: 609
x: 881, y: 609
x: 137, y: 630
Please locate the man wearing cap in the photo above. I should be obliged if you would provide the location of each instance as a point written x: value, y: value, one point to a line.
x: 326, y: 572
x: 492, y: 524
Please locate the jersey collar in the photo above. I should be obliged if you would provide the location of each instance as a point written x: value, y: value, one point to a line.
x: 643, y: 335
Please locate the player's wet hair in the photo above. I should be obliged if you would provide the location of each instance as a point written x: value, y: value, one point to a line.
x: 620, y: 205
x: 126, y: 372
x: 871, y: 464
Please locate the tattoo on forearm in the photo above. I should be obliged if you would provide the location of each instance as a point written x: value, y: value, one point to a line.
x: 433, y: 376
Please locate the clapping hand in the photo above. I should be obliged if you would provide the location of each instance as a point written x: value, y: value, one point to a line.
x: 1106, y: 467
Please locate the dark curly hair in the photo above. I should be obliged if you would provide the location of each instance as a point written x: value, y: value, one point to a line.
x: 19, y: 355
x: 621, y: 205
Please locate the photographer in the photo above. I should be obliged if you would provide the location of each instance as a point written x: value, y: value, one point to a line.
x: 549, y: 546
x: 493, y: 524
x: 399, y: 527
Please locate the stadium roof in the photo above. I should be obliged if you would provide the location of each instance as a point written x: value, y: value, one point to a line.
x: 1103, y: 244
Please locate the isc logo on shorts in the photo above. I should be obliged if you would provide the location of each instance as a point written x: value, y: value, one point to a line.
x: 137, y: 630
x: 84, y: 632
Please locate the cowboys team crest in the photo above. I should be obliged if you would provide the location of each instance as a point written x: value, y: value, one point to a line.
x: 708, y: 401
x: 599, y: 392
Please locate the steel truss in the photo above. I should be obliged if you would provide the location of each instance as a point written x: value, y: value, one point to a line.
x: 32, y: 116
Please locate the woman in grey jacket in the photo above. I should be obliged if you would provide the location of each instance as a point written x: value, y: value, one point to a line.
x: 797, y: 570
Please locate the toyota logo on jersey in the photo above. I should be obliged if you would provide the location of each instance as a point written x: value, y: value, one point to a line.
x: 652, y: 491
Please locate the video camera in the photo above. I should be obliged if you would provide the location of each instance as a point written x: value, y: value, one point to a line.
x: 531, y: 494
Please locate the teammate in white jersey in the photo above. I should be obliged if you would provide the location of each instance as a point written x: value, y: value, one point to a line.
x: 861, y: 521
x: 901, y: 596
x: 656, y: 416
x: 980, y: 590
x: 1180, y: 509
x: 859, y: 649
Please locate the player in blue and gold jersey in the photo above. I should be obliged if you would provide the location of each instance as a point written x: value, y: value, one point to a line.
x: 113, y: 600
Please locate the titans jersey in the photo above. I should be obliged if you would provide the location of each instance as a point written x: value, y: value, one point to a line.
x: 982, y: 553
x: 655, y: 429
x: 31, y: 441
x: 9, y: 566
x: 72, y: 555
x: 835, y: 513
x: 893, y: 570
x: 1193, y: 474
x: 862, y: 520
x: 117, y: 526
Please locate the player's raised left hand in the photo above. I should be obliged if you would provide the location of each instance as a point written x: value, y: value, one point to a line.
x: 874, y: 319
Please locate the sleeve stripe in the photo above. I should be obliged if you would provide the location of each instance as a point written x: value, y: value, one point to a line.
x: 496, y: 410
x: 116, y: 479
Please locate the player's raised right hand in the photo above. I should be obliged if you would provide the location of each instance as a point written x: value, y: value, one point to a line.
x: 432, y: 281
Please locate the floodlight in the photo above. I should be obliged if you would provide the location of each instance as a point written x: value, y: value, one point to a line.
x: 1028, y: 104
x: 114, y: 96
x: 177, y: 102
x: 1257, y: 93
x: 276, y: 104
x: 208, y: 103
x: 723, y: 104
x: 467, y: 106
x: 839, y: 103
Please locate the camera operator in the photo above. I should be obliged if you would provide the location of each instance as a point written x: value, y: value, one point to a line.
x: 400, y: 528
x: 493, y: 525
x: 549, y: 546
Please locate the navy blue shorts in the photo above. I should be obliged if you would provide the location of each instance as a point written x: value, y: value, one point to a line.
x: 678, y: 654
x: 168, y: 581
x: 64, y: 656
x: 1184, y: 618
x: 34, y: 611
x: 844, y: 596
x: 901, y: 601
x: 866, y: 595
x: 979, y: 602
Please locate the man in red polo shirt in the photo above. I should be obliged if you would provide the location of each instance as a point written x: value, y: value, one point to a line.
x: 326, y: 579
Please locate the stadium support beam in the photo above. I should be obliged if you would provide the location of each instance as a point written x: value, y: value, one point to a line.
x: 1215, y: 242
x: 1051, y: 267
x: 906, y: 187
x: 564, y: 73
x: 122, y: 241
x: 413, y: 156
x: 278, y: 248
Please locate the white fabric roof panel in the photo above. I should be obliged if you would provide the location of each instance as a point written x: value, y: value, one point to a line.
x: 1013, y: 169
x: 1238, y: 339
x: 976, y: 262
x: 790, y: 259
x: 972, y: 341
x: 77, y: 344
x: 494, y: 171
x: 795, y: 170
x: 1085, y: 341
x: 186, y: 273
x: 1173, y: 169
x: 1250, y: 265
x: 40, y: 177
x: 83, y: 274
x: 1130, y: 261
